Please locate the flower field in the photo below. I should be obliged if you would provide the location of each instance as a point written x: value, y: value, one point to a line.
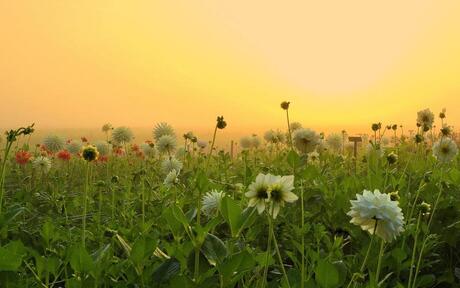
x: 289, y: 208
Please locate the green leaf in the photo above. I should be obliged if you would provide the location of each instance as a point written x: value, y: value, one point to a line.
x: 214, y: 249
x: 326, y: 274
x: 293, y: 159
x: 141, y: 250
x: 231, y: 212
x: 80, y: 260
x: 11, y: 256
x: 47, y: 232
x: 166, y: 271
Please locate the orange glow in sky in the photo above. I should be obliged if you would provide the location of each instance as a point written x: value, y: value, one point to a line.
x: 70, y: 64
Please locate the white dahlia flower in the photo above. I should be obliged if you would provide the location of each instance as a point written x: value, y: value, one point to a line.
x: 122, y: 135
x: 334, y: 142
x: 53, y: 143
x: 42, y: 164
x: 255, y: 141
x: 258, y: 193
x: 445, y: 150
x: 305, y: 140
x: 313, y: 157
x: 246, y: 142
x: 211, y: 202
x: 148, y: 149
x: 375, y: 211
x: 273, y: 136
x: 74, y: 146
x: 425, y: 118
x: 172, y: 178
x: 294, y: 126
x: 162, y: 129
x: 170, y: 164
x: 106, y: 127
x: 201, y: 144
x: 166, y: 144
x: 280, y: 191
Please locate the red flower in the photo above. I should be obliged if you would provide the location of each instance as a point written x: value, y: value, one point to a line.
x: 64, y: 155
x: 118, y: 151
x: 23, y: 157
x: 84, y: 139
x: 135, y: 148
x: 104, y: 158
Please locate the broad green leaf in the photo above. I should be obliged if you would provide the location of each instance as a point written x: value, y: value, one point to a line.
x: 11, y: 256
x: 80, y: 260
x: 326, y: 274
x: 231, y: 212
x: 214, y: 249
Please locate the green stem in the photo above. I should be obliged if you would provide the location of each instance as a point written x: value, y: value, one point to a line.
x: 302, y: 269
x: 361, y: 269
x: 278, y: 251
x: 289, y: 129
x: 85, y: 196
x: 2, y: 177
x: 414, y: 250
x: 379, y: 262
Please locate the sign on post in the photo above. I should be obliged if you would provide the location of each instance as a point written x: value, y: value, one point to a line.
x: 355, y: 140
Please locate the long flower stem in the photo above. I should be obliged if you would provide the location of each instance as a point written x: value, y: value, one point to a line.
x: 85, y: 196
x: 278, y: 251
x: 2, y: 177
x: 289, y: 129
x: 198, y: 215
x: 361, y: 269
x: 419, y: 261
x: 414, y: 250
x: 379, y: 262
x: 302, y: 267
x: 267, y: 257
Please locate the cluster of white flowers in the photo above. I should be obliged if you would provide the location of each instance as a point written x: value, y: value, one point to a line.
x: 305, y: 140
x: 445, y: 150
x: 249, y: 142
x: 274, y: 137
x: 334, y: 141
x: 376, y: 212
x: 271, y: 191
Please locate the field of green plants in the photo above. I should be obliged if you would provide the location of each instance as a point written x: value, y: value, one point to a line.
x: 291, y: 208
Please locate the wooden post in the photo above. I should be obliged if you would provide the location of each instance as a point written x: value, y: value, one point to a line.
x: 355, y: 140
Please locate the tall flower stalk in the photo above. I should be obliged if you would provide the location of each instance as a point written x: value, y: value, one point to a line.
x: 285, y: 106
x: 11, y: 137
x: 221, y: 124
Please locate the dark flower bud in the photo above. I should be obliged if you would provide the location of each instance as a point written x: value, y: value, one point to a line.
x: 285, y: 105
x: 394, y: 196
x: 221, y: 124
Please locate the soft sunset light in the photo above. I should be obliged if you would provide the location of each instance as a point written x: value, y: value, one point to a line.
x: 135, y: 63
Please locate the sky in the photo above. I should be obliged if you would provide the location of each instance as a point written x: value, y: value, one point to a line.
x: 67, y: 64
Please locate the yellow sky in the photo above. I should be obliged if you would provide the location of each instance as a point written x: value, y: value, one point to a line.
x: 67, y: 63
